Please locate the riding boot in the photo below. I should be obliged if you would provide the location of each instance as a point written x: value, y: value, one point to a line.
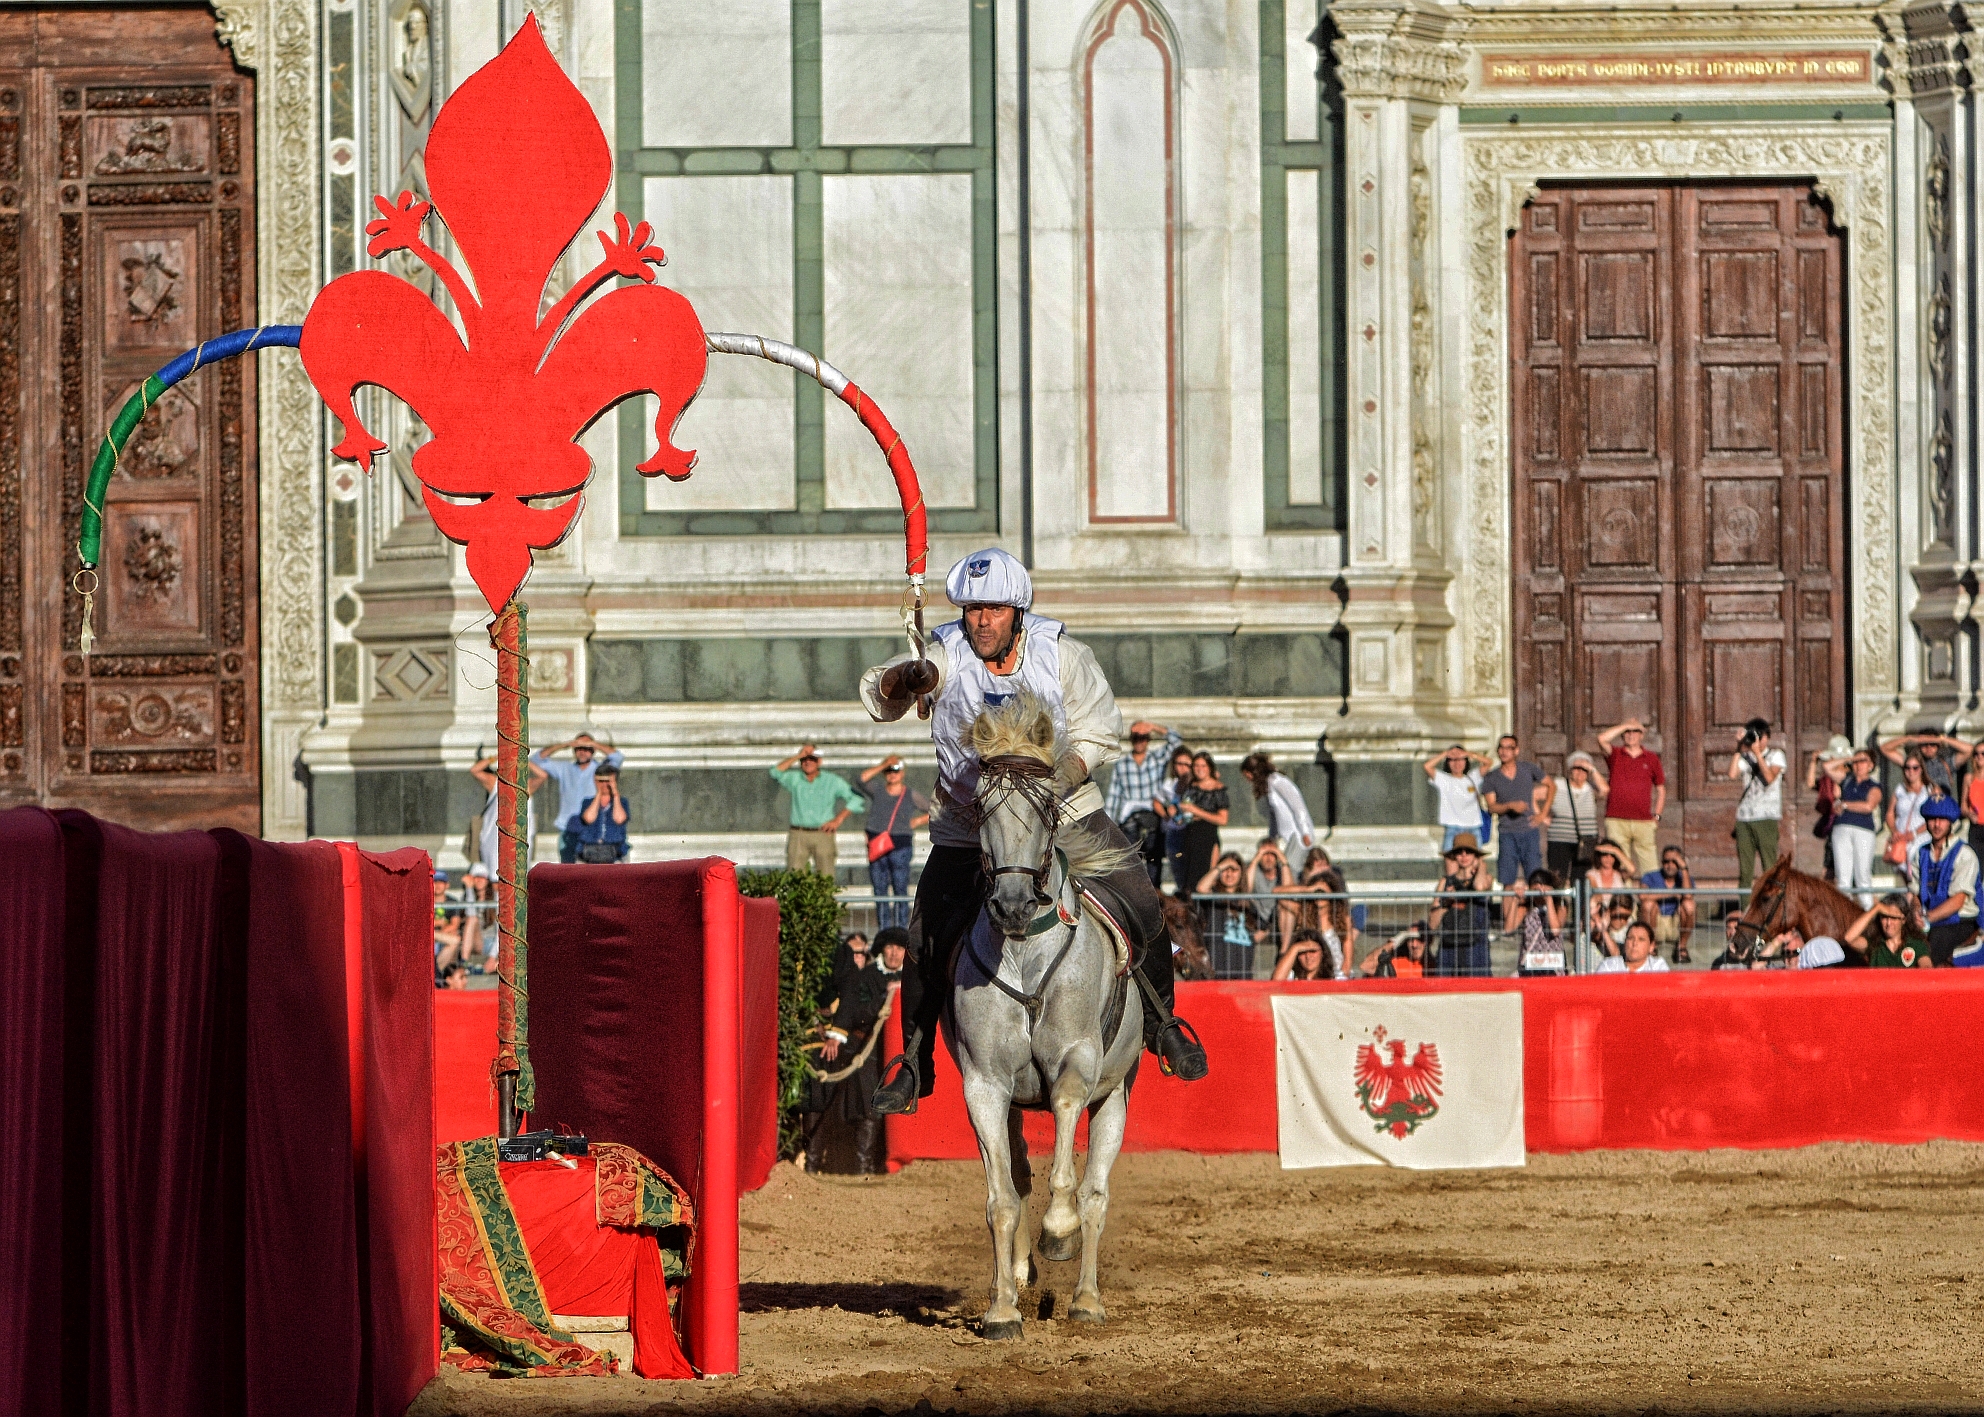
x: 1165, y: 1034
x: 948, y: 897
x: 869, y: 1157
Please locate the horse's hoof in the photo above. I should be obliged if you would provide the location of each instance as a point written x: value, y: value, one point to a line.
x: 1060, y: 1247
x: 999, y: 1330
x: 1083, y: 1313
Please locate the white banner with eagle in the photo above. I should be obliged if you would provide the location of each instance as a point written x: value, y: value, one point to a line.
x: 1418, y: 1080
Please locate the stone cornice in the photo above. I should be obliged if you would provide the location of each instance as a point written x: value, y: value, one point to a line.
x: 1397, y: 49
x: 1704, y: 22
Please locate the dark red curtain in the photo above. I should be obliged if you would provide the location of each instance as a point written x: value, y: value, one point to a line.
x: 757, y: 1074
x: 32, y: 1201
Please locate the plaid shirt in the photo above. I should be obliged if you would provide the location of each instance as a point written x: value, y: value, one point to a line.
x: 1132, y: 784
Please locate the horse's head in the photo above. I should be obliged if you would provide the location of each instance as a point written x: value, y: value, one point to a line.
x: 1764, y: 916
x: 1021, y: 789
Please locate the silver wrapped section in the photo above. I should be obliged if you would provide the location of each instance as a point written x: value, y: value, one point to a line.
x: 779, y: 352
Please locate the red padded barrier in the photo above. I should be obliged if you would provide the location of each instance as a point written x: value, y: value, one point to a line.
x: 464, y: 1046
x: 1673, y: 1062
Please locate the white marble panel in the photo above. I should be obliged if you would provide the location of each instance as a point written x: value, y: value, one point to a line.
x: 729, y: 245
x: 897, y: 252
x: 1305, y: 343
x: 895, y: 71
x: 716, y: 75
x: 1299, y: 60
x: 1131, y: 397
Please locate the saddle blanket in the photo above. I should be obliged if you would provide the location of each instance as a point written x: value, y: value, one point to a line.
x: 1425, y: 1081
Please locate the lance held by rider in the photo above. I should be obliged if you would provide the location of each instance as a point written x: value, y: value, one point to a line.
x: 996, y: 649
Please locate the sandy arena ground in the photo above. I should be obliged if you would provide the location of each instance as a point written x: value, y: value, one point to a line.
x: 1833, y: 1279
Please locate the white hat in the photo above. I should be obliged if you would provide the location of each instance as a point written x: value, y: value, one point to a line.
x: 989, y: 577
x: 478, y: 869
x: 1837, y: 747
x: 1821, y: 952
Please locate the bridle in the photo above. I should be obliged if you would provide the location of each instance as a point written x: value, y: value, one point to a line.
x: 1032, y: 781
x: 1758, y: 934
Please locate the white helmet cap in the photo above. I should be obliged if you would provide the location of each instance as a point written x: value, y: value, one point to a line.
x: 989, y: 577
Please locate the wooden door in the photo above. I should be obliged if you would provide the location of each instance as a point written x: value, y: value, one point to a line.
x: 1677, y: 420
x: 127, y: 236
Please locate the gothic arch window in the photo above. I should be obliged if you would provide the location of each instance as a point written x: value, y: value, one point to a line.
x: 1128, y: 95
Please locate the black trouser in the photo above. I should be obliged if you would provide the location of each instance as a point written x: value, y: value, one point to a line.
x: 1947, y: 938
x: 951, y: 892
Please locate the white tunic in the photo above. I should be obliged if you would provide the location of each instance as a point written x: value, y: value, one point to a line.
x: 1059, y: 671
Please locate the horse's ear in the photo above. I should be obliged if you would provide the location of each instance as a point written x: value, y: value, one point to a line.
x: 1041, y: 732
x: 982, y: 734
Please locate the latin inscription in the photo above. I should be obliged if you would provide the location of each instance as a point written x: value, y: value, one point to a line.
x: 1573, y: 71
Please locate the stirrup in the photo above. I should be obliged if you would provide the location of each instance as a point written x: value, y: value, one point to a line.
x: 888, y: 1100
x: 1196, y: 1053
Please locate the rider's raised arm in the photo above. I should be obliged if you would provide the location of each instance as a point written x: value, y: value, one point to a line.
x: 1095, y: 725
x: 888, y: 710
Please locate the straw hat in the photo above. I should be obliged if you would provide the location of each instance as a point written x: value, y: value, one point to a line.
x: 1464, y: 842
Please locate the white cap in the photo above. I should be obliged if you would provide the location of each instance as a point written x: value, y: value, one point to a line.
x: 478, y: 869
x: 989, y: 577
x: 1821, y: 952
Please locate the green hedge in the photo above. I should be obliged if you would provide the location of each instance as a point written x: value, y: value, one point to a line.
x: 808, y: 932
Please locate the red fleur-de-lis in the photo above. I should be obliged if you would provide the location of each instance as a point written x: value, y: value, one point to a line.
x: 515, y: 162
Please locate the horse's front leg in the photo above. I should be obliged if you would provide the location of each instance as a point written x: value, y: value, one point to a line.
x: 1062, y: 1223
x: 1106, y: 1123
x: 990, y: 1107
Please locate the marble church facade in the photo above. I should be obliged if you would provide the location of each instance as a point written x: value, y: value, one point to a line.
x: 1212, y: 318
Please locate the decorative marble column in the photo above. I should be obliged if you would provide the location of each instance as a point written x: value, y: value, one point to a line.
x: 1937, y: 64
x: 1400, y: 74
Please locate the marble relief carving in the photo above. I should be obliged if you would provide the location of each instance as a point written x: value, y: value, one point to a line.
x: 279, y: 42
x: 1426, y: 400
x: 1852, y: 174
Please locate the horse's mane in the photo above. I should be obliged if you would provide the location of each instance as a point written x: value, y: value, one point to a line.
x: 1023, y: 727
x: 1784, y: 895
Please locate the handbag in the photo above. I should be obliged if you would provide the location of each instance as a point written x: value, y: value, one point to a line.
x: 1587, y: 853
x: 599, y: 853
x: 884, y: 841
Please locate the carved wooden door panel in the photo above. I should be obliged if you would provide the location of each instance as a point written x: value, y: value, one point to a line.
x: 1676, y: 428
x: 126, y: 165
x: 1759, y: 489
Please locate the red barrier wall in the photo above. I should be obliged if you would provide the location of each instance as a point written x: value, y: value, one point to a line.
x: 1675, y: 1062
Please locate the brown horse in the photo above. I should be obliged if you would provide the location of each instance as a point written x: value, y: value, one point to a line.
x: 1785, y: 898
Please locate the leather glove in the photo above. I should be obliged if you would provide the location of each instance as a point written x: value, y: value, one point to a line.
x: 909, y: 679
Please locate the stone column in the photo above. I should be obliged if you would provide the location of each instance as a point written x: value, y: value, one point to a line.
x: 1400, y: 75
x: 1936, y: 132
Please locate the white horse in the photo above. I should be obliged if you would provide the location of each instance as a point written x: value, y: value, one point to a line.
x: 1043, y: 1016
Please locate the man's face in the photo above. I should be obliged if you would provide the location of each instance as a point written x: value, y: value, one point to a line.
x: 991, y: 630
x: 1632, y: 738
x: 1415, y: 945
x: 893, y: 955
x: 811, y: 767
x: 582, y: 751
x: 1506, y: 751
x: 1637, y: 945
x: 440, y: 890
x: 1939, y: 829
x: 1139, y: 745
x: 1928, y: 750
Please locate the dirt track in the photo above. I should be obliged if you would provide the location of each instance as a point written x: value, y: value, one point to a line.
x: 1839, y: 1278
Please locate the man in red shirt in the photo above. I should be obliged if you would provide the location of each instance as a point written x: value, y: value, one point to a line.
x: 1639, y: 792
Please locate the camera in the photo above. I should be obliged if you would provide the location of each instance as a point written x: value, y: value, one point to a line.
x: 1747, y: 741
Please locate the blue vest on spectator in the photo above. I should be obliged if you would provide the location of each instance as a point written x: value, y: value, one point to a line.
x: 1934, y: 878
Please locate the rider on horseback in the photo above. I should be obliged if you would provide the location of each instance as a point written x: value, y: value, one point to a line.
x: 995, y: 650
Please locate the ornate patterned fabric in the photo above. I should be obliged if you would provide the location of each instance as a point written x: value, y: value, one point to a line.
x: 494, y: 1309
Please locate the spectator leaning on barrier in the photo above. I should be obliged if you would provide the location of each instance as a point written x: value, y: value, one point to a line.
x: 1268, y: 873
x: 1227, y: 924
x: 602, y: 824
x: 1905, y: 828
x: 480, y: 936
x: 1456, y: 778
x: 448, y: 932
x: 1639, y: 792
x: 1760, y: 768
x: 1671, y: 917
x: 1937, y: 770
x: 1576, y: 808
x: 1289, y: 822
x: 1854, y: 821
x: 894, y: 814
x: 1608, y: 873
x: 1636, y: 954
x: 815, y: 794
x: 1888, y: 937
x: 1943, y: 876
x: 574, y: 781
x: 1306, y: 956
x: 1462, y: 927
x: 1134, y: 780
x: 1542, y: 925
x: 1403, y: 957
x: 1517, y: 792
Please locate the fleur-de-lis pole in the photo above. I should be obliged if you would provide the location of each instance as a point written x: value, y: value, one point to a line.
x: 516, y: 162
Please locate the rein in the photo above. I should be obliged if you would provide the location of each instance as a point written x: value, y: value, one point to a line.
x: 1759, y: 933
x: 1033, y: 782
